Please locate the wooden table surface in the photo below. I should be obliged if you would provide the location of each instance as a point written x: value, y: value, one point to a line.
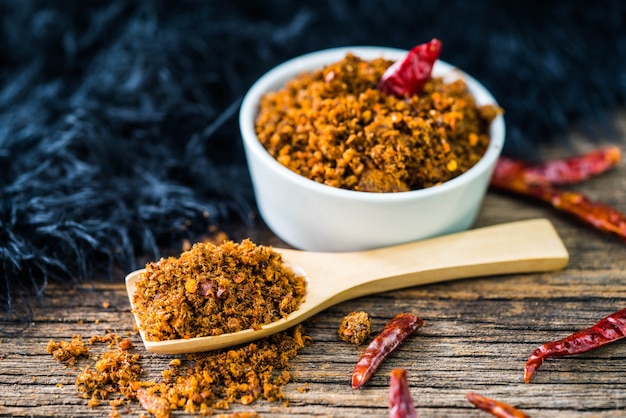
x: 477, y: 336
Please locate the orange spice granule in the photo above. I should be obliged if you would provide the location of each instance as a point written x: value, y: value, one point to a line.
x: 335, y: 127
x: 215, y: 289
x: 68, y: 352
x: 252, y: 414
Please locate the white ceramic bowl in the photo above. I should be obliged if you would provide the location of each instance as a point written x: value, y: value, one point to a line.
x: 316, y: 217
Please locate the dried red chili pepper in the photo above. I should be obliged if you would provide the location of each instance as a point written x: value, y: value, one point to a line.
x: 600, y: 216
x: 389, y: 338
x: 605, y: 331
x: 495, y: 408
x: 537, y: 181
x: 400, y: 402
x: 406, y: 77
x: 560, y: 171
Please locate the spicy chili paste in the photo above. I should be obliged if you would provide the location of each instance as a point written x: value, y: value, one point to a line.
x: 215, y: 289
x: 336, y: 127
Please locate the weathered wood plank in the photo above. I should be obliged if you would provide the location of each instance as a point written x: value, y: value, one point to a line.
x: 468, y: 343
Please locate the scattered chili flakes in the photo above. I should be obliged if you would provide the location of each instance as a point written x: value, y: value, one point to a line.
x: 113, y: 372
x: 154, y: 404
x: 355, y: 327
x: 68, y: 352
x: 197, y: 384
x: 110, y: 338
x: 304, y: 388
x: 217, y: 379
x: 334, y: 126
x: 215, y: 289
x: 252, y: 414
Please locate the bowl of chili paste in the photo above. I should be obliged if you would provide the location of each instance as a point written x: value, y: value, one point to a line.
x: 339, y: 163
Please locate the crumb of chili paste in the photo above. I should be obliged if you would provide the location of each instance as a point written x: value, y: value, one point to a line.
x: 114, y: 372
x: 355, y: 327
x: 215, y: 289
x: 239, y: 415
x: 68, y: 352
x: 197, y: 383
x: 217, y: 379
x: 335, y: 127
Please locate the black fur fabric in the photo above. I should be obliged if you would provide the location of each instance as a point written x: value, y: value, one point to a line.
x: 118, y: 118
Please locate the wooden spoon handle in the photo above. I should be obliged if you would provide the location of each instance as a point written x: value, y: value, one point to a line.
x: 517, y: 247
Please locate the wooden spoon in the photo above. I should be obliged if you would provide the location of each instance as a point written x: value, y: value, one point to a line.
x: 517, y: 247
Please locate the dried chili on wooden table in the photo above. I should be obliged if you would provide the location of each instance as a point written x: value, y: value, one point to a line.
x: 538, y: 181
x: 407, y: 77
x: 605, y: 331
x: 389, y: 338
x: 400, y: 401
x: 494, y: 407
x: 600, y: 216
x: 559, y: 171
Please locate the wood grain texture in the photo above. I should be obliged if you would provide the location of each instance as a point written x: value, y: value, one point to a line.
x: 477, y: 336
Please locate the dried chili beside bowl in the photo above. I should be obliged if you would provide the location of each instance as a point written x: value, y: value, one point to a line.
x: 494, y: 407
x: 538, y: 181
x: 605, y: 331
x: 198, y: 383
x: 559, y: 171
x: 389, y: 338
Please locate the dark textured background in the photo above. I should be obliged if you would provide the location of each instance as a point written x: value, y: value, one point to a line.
x: 118, y: 128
